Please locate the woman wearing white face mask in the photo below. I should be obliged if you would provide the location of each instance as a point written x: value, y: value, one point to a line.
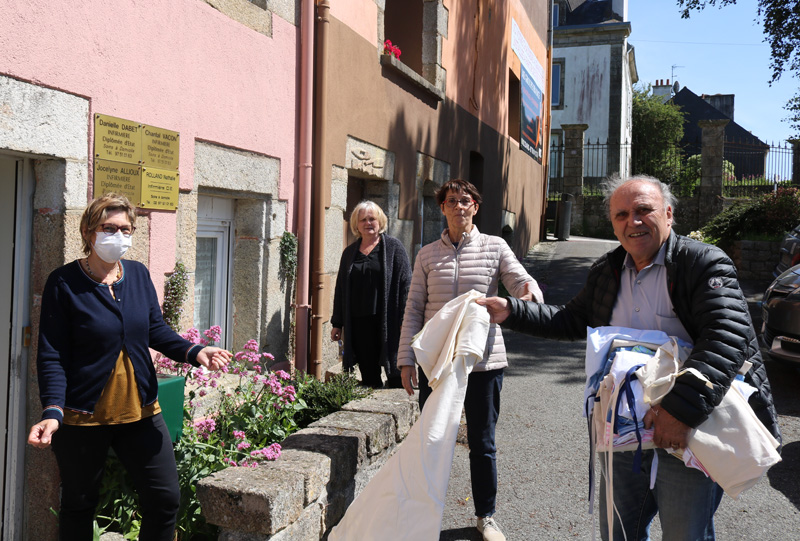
x: 98, y: 387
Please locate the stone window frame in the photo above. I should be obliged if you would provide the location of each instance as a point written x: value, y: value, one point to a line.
x: 257, y: 14
x: 251, y: 179
x: 556, y: 14
x: 435, y: 18
x: 561, y: 62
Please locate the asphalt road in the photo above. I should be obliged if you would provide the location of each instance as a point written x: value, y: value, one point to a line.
x: 542, y: 439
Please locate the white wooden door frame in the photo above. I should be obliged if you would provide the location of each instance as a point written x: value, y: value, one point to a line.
x: 19, y: 351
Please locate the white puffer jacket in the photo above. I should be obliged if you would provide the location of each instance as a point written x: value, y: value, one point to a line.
x: 443, y: 272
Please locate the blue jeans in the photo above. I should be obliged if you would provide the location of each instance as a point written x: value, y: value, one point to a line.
x: 145, y: 449
x: 684, y: 498
x: 482, y: 408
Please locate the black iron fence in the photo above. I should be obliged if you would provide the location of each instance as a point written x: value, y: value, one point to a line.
x: 749, y: 170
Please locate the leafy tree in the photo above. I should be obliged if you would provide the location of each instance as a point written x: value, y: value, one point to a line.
x: 657, y: 127
x: 781, y: 19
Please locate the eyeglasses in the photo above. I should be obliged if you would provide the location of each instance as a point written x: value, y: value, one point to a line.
x: 111, y: 229
x: 451, y: 202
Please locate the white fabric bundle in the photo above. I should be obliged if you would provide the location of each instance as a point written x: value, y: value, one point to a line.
x: 405, y: 499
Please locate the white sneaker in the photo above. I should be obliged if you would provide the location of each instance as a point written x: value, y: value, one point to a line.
x: 490, y: 530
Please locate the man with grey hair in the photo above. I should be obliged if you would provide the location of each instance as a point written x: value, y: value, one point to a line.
x: 660, y: 280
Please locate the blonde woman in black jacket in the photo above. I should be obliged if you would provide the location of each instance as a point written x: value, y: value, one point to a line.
x: 370, y: 297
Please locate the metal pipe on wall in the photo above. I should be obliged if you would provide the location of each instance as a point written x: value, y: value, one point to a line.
x: 319, y: 297
x: 304, y: 182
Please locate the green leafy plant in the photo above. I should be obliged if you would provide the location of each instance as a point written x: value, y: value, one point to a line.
x: 288, y: 262
x: 766, y: 217
x: 324, y: 398
x: 176, y: 287
x: 254, y: 411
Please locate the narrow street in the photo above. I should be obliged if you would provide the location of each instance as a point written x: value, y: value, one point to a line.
x: 542, y: 439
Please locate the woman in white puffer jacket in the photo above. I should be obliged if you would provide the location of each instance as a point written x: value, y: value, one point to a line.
x: 465, y: 259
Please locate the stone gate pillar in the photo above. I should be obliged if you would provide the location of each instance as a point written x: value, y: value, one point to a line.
x: 573, y: 171
x: 710, y: 189
x: 795, y: 160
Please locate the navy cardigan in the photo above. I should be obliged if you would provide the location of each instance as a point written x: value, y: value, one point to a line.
x: 83, y: 329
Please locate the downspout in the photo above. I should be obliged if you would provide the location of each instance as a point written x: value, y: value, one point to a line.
x: 548, y: 125
x: 304, y: 182
x: 319, y: 299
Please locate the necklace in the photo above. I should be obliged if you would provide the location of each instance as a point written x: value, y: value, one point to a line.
x: 97, y: 278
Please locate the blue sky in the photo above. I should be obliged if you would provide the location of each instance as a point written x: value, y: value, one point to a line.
x: 716, y: 51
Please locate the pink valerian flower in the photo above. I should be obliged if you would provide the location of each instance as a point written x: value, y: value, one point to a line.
x: 239, y: 435
x: 230, y: 461
x: 243, y: 445
x: 273, y: 452
x: 213, y: 333
x: 192, y: 335
x: 281, y: 374
x: 274, y: 385
x: 205, y: 427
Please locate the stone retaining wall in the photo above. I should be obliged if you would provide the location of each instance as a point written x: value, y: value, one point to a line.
x: 755, y: 259
x: 322, y: 468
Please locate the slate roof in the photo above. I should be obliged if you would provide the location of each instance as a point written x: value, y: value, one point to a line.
x: 591, y: 12
x: 696, y: 108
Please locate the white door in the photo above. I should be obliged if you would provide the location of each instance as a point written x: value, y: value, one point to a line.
x: 15, y: 216
x: 213, y: 266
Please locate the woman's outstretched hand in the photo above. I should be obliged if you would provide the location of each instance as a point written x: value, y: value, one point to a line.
x: 214, y: 358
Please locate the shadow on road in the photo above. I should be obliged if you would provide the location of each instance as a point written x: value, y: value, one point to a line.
x: 460, y: 534
x: 527, y: 353
x: 784, y: 475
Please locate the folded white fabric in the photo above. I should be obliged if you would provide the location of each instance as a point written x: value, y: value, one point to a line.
x: 405, y: 499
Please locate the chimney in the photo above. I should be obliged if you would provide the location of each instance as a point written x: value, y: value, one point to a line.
x: 662, y: 89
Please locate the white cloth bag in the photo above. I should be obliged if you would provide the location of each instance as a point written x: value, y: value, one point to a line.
x: 733, y: 445
x: 406, y: 498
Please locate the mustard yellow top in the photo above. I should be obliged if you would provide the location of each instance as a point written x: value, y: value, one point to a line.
x: 119, y: 402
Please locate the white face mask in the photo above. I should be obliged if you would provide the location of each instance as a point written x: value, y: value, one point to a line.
x: 111, y: 248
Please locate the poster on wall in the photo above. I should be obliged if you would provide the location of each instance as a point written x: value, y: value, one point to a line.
x: 530, y: 139
x: 531, y: 85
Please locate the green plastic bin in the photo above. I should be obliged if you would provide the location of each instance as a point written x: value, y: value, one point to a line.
x: 170, y: 397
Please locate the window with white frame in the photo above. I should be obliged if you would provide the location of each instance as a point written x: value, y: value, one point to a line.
x: 213, y: 265
x: 557, y: 84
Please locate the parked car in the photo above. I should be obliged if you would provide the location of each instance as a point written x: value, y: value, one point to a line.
x: 781, y: 314
x: 789, y: 252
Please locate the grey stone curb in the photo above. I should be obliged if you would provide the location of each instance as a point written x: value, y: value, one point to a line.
x: 321, y: 470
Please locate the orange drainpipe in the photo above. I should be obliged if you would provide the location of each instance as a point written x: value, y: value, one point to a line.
x: 319, y: 298
x: 304, y: 182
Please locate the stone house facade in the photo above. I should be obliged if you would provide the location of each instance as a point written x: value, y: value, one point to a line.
x: 594, y: 70
x: 449, y: 107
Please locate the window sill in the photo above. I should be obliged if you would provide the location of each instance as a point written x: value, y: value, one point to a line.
x: 396, y: 65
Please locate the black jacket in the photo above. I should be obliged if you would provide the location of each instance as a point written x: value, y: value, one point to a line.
x: 707, y: 299
x: 396, y: 280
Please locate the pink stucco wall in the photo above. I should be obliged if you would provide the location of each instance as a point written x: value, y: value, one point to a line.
x: 175, y: 64
x: 360, y: 15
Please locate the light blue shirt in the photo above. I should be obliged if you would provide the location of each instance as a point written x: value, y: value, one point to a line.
x: 643, y: 301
